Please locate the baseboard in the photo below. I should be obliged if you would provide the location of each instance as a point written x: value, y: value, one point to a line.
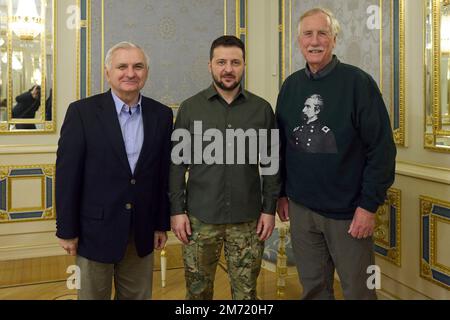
x: 399, y: 291
x: 391, y: 289
x: 386, y: 291
x: 40, y: 264
x: 34, y: 270
x: 29, y: 252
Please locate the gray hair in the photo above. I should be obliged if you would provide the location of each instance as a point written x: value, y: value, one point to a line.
x: 318, y: 101
x: 334, y: 24
x: 124, y: 45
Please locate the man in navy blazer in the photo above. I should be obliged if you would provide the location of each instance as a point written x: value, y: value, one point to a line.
x: 111, y: 181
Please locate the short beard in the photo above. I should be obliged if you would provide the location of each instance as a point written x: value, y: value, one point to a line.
x: 222, y: 86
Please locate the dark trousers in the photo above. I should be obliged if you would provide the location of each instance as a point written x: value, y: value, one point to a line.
x: 322, y: 245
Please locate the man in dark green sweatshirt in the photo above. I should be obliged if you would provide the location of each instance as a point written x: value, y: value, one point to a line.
x: 338, y: 160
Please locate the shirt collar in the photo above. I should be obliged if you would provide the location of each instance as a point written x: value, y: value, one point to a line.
x: 324, y: 72
x: 211, y: 92
x: 120, y: 105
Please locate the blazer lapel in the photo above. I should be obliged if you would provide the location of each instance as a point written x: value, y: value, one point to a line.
x: 150, y: 124
x: 108, y: 117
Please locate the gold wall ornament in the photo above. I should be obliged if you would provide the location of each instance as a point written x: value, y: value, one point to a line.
x: 398, y: 112
x: 426, y: 270
x: 15, y: 179
x: 50, y: 126
x: 393, y: 254
x: 387, y: 234
x: 49, y: 214
x: 3, y: 172
x: 398, y: 136
x: 429, y: 141
x: 379, y: 234
x: 433, y: 212
x: 425, y: 206
x: 281, y: 268
x: 434, y: 243
x: 48, y: 170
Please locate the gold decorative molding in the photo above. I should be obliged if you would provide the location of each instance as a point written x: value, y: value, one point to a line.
x: 393, y: 254
x: 387, y: 233
x: 49, y: 214
x: 3, y: 172
x: 85, y: 24
x: 225, y: 9
x: 381, y: 44
x: 432, y: 212
x: 283, y: 24
x: 89, y: 49
x: 426, y: 270
x: 399, y: 134
x: 46, y: 176
x: 78, y: 53
x: 425, y: 207
x: 429, y: 141
x: 242, y: 31
x: 282, y: 31
x: 41, y: 207
x: 102, y: 58
x: 433, y: 239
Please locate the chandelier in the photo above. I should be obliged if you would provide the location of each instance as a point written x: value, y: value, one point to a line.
x: 26, y: 23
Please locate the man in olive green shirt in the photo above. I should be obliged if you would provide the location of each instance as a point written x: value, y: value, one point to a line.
x: 225, y: 203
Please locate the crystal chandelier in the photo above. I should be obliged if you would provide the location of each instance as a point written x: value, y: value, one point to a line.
x: 26, y: 23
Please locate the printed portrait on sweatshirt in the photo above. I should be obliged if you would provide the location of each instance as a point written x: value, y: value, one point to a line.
x: 312, y: 136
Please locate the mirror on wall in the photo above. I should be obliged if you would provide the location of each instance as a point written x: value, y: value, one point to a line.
x: 27, y: 66
x: 437, y: 75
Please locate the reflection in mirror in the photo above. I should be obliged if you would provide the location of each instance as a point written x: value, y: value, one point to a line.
x: 3, y: 62
x: 26, y: 67
x: 428, y: 60
x: 437, y: 75
x: 445, y: 65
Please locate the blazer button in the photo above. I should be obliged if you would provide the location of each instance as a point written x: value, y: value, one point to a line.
x: 128, y: 206
x: 133, y: 181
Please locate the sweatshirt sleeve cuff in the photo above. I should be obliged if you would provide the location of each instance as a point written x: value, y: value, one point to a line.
x: 369, y: 205
x: 176, y: 209
x: 269, y: 207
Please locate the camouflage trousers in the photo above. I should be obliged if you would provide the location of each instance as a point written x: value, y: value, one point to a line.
x: 243, y: 253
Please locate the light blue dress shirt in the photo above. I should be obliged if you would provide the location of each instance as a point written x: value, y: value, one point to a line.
x: 132, y: 128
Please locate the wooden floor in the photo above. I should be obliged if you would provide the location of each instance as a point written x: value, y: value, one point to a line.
x: 174, y: 290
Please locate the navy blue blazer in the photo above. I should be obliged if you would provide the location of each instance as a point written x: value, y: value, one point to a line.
x: 98, y: 199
